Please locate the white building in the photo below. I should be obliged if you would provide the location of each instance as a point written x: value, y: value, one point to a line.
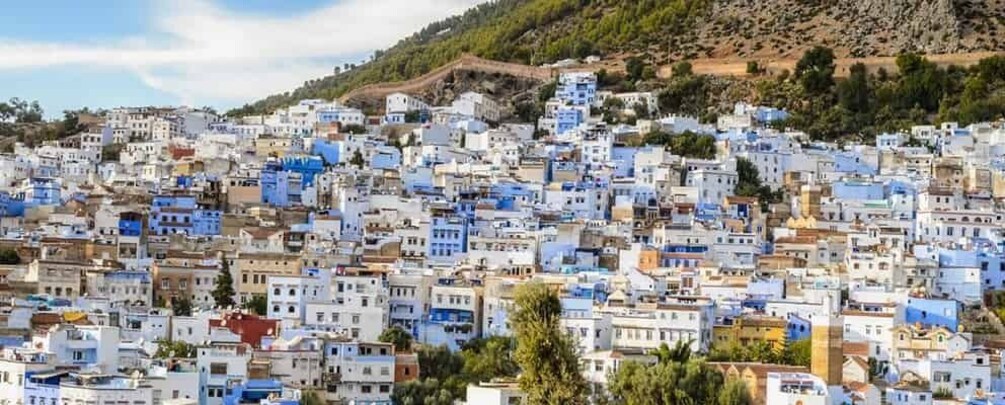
x: 15, y: 364
x: 358, y: 308
x: 454, y: 311
x: 220, y: 366
x: 365, y: 371
x: 104, y: 389
x: 476, y: 105
x: 399, y: 104
x: 82, y: 345
x: 495, y: 394
x: 796, y: 388
x: 647, y: 326
x: 288, y: 297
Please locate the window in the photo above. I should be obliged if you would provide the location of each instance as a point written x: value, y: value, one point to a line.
x: 218, y: 369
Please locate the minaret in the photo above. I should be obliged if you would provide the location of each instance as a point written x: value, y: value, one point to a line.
x: 827, y: 356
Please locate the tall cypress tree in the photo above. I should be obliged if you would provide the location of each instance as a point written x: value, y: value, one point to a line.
x: 224, y: 292
x: 546, y: 355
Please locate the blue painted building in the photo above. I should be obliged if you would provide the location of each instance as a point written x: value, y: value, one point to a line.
x: 682, y: 255
x: 857, y: 190
x: 42, y: 191
x: 507, y: 195
x: 307, y: 166
x: 797, y: 328
x: 931, y: 312
x: 184, y: 181
x: 851, y: 162
x: 770, y: 114
x: 448, y: 235
x: 179, y: 214
x: 386, y: 157
x: 623, y: 158
x: 280, y: 188
x: 992, y: 270
x: 10, y: 206
x: 330, y: 151
x: 577, y: 88
x: 206, y: 222
x: 340, y: 115
x: 43, y: 387
x: 252, y: 392
x: 130, y: 224
x: 567, y: 119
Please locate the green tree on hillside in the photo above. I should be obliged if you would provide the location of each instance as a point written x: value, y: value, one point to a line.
x: 174, y: 349
x: 748, y: 184
x: 673, y: 382
x: 798, y: 353
x: 735, y: 392
x: 9, y: 256
x: 357, y: 159
x: 687, y: 143
x: 181, y: 306
x: 488, y: 358
x: 547, y: 356
x: 223, y: 293
x: 855, y: 93
x: 401, y: 339
x: 634, y: 67
x: 444, y: 375
x: 311, y: 397
x: 682, y: 69
x: 258, y: 304
x: 815, y: 70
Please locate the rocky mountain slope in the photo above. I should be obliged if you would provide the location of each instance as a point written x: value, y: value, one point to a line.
x: 543, y: 31
x: 855, y: 28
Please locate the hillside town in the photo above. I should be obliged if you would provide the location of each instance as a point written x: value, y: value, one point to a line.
x: 170, y: 255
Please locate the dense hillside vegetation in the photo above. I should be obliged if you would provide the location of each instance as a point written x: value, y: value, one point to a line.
x: 526, y: 31
x: 667, y: 31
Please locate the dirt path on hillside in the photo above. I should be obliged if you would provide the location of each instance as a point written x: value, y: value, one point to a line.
x: 716, y: 67
x: 738, y: 67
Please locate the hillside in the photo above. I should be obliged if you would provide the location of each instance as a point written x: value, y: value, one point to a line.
x: 542, y: 31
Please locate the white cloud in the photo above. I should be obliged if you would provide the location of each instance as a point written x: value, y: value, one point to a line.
x: 203, y: 53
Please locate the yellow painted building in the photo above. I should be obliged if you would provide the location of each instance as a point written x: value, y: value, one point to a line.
x: 749, y: 329
x: 254, y: 269
x: 272, y: 146
x: 754, y: 375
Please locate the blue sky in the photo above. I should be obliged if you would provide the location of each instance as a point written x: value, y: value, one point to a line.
x: 69, y: 54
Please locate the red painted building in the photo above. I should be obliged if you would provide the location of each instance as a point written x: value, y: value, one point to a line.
x: 250, y: 327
